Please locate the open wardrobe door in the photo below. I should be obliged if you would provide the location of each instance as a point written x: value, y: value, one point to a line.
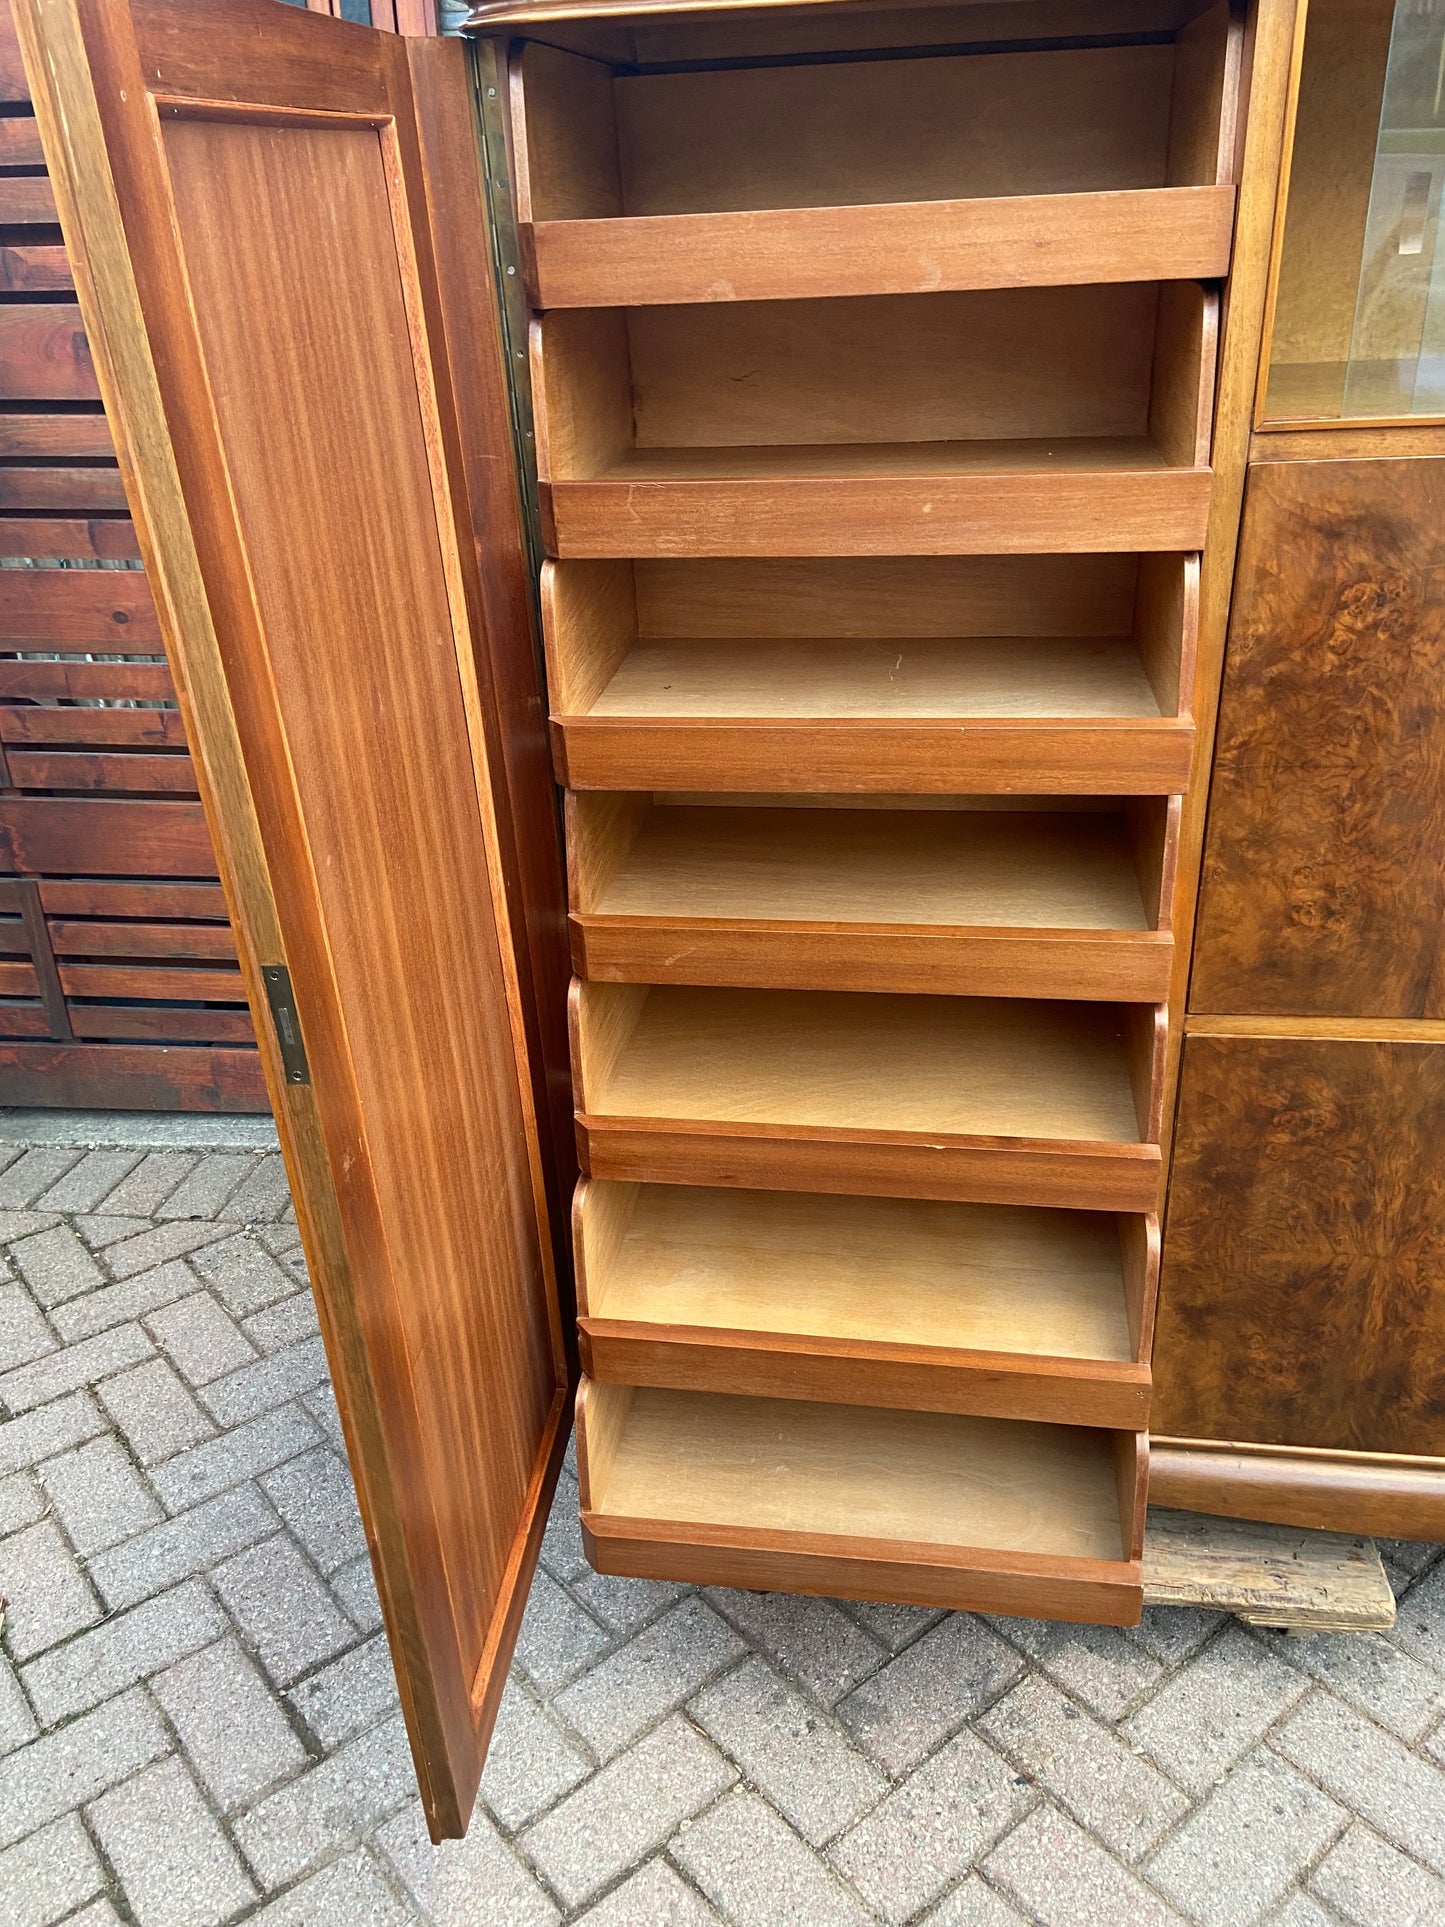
x: 243, y: 189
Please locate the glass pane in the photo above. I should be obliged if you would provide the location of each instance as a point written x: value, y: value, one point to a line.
x: 1360, y: 312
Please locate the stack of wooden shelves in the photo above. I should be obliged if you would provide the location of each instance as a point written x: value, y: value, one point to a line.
x: 873, y: 404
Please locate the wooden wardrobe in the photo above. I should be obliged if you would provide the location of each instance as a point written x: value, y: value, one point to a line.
x: 852, y: 404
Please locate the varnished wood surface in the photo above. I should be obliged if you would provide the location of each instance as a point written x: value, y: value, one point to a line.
x: 293, y: 487
x: 1323, y: 889
x: 1322, y: 1493
x: 1299, y: 1297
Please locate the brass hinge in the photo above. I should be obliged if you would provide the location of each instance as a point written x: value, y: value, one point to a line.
x: 282, y: 999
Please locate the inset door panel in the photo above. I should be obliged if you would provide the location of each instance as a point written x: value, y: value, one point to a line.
x: 983, y: 1515
x: 1300, y: 1297
x: 1323, y: 889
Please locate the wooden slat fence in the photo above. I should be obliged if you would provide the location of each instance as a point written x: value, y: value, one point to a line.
x: 118, y: 977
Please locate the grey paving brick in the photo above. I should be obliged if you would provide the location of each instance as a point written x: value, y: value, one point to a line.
x: 1100, y: 1665
x: 973, y: 1903
x: 475, y: 1882
x: 282, y: 1240
x: 355, y: 1590
x: 1210, y: 1714
x: 316, y: 1498
x: 23, y: 1224
x: 155, y: 1411
x: 626, y: 1811
x: 557, y: 1638
x: 98, y: 1232
x: 72, y: 1367
x: 53, y: 1428
x: 159, y: 1245
x: 561, y: 1551
x: 262, y: 1195
x: 220, y: 1463
x: 283, y: 1608
x: 47, y: 1596
x: 625, y: 1605
x: 17, y: 1722
x: 21, y: 1502
x: 134, y: 1298
x: 61, y: 1770
x: 56, y: 1265
x: 98, y: 1495
x: 1374, y: 1885
x: 245, y: 1276
x: 812, y: 1640
x: 932, y: 1828
x: 201, y: 1340
x: 26, y: 1177
x: 917, y: 1699
x: 176, y: 1865
x: 1062, y: 1878
x: 1246, y: 1846
x: 236, y: 1738
x: 100, y: 1913
x: 352, y: 1693
x: 1412, y: 1557
x: 1420, y: 1626
x: 350, y: 1792
x: 285, y: 1323
x: 149, y: 1184
x: 350, y: 1892
x: 321, y: 1405
x: 178, y: 1547
x: 269, y: 1382
x: 204, y: 1189
x: 48, y: 1875
x: 1172, y: 1633
x: 632, y: 1688
x: 653, y: 1897
x: 1372, y: 1674
x: 1401, y: 1795
x: 893, y: 1626
x: 1300, y: 1911
x: 24, y: 1334
x: 120, y: 1651
x: 86, y: 1183
x: 758, y: 1873
x: 531, y: 1761
x: 1087, y: 1769
x: 788, y: 1749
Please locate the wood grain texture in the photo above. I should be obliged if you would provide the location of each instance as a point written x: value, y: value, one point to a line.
x: 43, y: 353
x: 106, y: 538
x: 138, y: 1077
x: 1323, y: 885
x: 99, y: 611
x: 1322, y: 1493
x: 1299, y: 1300
x: 55, y: 435
x: 330, y: 687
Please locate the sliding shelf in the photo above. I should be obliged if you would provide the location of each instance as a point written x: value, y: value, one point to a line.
x: 990, y: 1100
x: 993, y: 902
x: 1011, y: 421
x: 1034, y: 167
x: 991, y: 1309
x: 979, y: 1514
x: 1053, y: 674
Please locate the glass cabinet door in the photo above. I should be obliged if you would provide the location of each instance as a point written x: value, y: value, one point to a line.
x: 1358, y: 328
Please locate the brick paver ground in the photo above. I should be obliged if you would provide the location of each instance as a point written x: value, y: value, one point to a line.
x: 198, y: 1722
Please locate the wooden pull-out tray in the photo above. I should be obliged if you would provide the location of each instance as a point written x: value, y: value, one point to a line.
x: 978, y: 1514
x: 989, y: 1309
x: 983, y: 1099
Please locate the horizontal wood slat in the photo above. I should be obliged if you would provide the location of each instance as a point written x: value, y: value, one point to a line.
x: 27, y: 200
x: 211, y: 943
x: 44, y: 355
x: 20, y: 142
x: 104, y: 837
x: 40, y: 269
x: 104, y: 609
x: 85, y: 898
x: 47, y: 769
x: 16, y: 979
x: 12, y: 71
x: 130, y: 728
x: 140, y: 1077
x: 55, y: 433
x: 43, y: 486
x: 108, y: 538
x: 911, y: 247
x: 84, y: 681
x: 156, y: 982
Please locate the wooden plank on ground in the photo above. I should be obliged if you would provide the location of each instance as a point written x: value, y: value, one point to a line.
x: 1267, y: 1575
x: 44, y: 355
